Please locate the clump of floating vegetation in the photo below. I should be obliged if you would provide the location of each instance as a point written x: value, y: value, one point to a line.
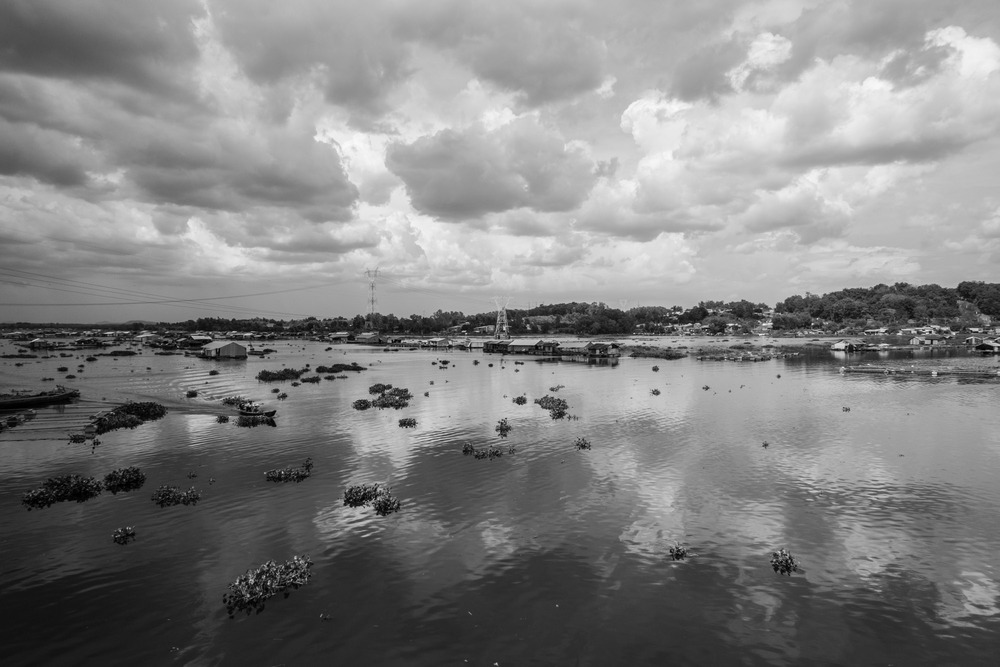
x: 167, y: 496
x: 503, y: 428
x: 77, y: 438
x: 191, y: 393
x: 222, y: 419
x: 282, y: 396
x: 557, y: 407
x: 62, y: 489
x: 214, y: 371
x: 329, y: 377
x: 520, y: 400
x: 655, y: 392
x: 62, y: 369
x: 783, y: 563
x: 313, y: 379
x: 396, y: 398
x: 557, y: 388
x: 124, y: 480
x: 467, y: 449
x: 340, y: 368
x: 677, y: 552
x: 490, y: 453
x: 290, y: 474
x: 582, y: 443
x: 380, y: 498
x: 235, y: 401
x: 656, y: 369
x: 706, y: 387
x: 475, y: 362
x: 280, y: 375
x: 275, y: 391
x: 250, y: 421
x: 251, y: 590
x: 379, y: 388
x: 295, y: 384
x: 361, y: 404
x: 129, y: 415
x: 407, y: 422
x: 123, y: 535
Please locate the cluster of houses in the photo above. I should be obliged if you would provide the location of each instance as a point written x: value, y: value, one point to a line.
x: 554, y: 348
x: 979, y: 343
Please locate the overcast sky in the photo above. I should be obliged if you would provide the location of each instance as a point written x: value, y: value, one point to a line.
x: 642, y: 152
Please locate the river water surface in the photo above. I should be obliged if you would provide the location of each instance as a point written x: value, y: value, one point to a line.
x: 883, y: 488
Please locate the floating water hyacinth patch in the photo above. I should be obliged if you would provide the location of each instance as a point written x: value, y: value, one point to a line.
x: 557, y: 388
x: 313, y: 379
x: 656, y: 369
x: 213, y: 372
x: 77, y: 438
x: 167, y: 496
x: 124, y: 480
x: 520, y: 400
x: 467, y: 449
x: 222, y: 419
x: 62, y: 489
x: 677, y: 552
x: 489, y: 453
x: 361, y: 404
x: 378, y: 496
x: 407, y: 422
x: 503, y: 428
x: 582, y: 443
x: 655, y: 392
x: 251, y: 590
x: 396, y: 398
x: 123, y: 535
x: 783, y: 563
x: 235, y: 401
x: 557, y: 407
x: 129, y: 415
x: 340, y: 368
x: 282, y: 396
x: 191, y: 393
x: 379, y: 388
x: 290, y: 474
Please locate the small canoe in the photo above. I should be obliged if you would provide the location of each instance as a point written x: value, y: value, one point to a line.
x: 258, y: 413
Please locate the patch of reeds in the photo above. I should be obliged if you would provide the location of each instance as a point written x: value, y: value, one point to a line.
x: 167, y: 496
x: 123, y: 535
x: 290, y: 474
x: 251, y: 590
x: 123, y: 480
x: 783, y: 563
x: 62, y: 489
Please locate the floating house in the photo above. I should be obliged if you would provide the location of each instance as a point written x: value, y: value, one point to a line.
x: 224, y: 350
x: 847, y: 345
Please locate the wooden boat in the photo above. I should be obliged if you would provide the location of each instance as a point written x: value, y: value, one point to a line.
x: 257, y: 412
x: 19, y: 400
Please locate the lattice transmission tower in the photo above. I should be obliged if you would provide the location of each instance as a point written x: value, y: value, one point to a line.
x: 372, y: 276
x: 502, y: 330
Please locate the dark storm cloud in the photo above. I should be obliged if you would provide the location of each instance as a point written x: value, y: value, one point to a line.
x: 142, y: 43
x: 454, y: 175
x: 232, y: 172
x: 47, y: 156
x: 347, y: 45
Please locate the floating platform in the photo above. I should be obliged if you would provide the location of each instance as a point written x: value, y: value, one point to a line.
x: 922, y: 371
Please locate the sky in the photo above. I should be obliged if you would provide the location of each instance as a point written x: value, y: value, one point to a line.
x: 239, y: 158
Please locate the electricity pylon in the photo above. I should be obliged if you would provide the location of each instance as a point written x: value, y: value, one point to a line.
x: 502, y: 329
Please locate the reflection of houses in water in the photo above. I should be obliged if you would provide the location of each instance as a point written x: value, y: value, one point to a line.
x: 572, y: 350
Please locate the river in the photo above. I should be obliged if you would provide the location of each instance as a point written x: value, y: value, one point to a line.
x: 883, y: 488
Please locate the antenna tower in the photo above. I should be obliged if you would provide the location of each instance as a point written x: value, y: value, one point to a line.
x: 372, y: 276
x: 502, y: 330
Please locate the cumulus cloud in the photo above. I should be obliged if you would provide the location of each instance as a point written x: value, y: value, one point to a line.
x: 458, y: 174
